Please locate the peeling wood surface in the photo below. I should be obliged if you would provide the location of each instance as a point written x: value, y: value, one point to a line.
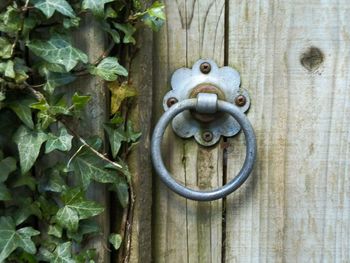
x: 184, y: 230
x: 293, y: 57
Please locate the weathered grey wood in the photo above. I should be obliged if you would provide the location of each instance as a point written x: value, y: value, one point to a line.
x: 141, y: 73
x: 184, y: 230
x: 91, y: 39
x: 296, y: 206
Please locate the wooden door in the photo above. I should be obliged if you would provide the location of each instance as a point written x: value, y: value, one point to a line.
x: 294, y: 59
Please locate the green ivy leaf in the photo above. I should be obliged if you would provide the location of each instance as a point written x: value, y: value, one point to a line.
x: 79, y: 102
x: 61, y: 254
x: 108, y: 69
x: 68, y: 218
x: 29, y: 144
x: 62, y: 142
x: 5, y: 194
x: 5, y: 48
x: 12, y: 238
x: 7, y: 166
x: 154, y: 17
x: 96, y: 6
x: 55, y: 230
x: 86, y: 227
x: 51, y: 181
x: 58, y: 50
x: 128, y: 31
x: 115, y: 240
x: 76, y: 208
x: 10, y: 21
x: 88, y: 166
x: 48, y: 7
x: 54, y: 80
x: 7, y: 68
x: 22, y: 109
x: 26, y: 208
x: 112, y: 32
x: 115, y: 137
x: 71, y: 22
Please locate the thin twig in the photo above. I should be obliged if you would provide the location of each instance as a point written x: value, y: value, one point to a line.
x: 89, y: 146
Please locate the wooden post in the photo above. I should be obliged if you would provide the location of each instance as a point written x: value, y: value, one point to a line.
x: 139, y: 161
x: 91, y: 39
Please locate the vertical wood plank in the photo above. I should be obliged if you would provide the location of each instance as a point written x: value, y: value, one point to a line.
x: 91, y: 39
x: 141, y: 73
x: 184, y: 230
x: 295, y: 208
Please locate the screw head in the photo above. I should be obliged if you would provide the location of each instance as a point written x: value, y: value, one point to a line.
x: 240, y: 100
x: 171, y: 101
x: 207, y: 136
x: 205, y: 67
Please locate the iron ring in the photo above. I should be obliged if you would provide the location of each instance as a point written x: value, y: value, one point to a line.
x: 218, y: 193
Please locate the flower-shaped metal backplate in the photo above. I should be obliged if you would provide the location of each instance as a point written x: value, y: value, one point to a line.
x: 206, y: 77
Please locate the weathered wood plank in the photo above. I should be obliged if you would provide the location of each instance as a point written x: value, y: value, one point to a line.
x: 141, y: 73
x: 91, y: 39
x: 184, y: 230
x: 296, y: 206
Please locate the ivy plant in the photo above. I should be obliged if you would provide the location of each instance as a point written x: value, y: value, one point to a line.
x: 46, y: 166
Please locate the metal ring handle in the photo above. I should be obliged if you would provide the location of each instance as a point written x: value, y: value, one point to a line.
x: 218, y: 193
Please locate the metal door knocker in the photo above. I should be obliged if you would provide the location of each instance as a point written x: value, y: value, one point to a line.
x: 205, y: 102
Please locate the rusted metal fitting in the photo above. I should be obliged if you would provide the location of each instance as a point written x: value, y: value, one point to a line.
x: 205, y: 67
x: 240, y: 100
x: 207, y: 136
x: 171, y: 101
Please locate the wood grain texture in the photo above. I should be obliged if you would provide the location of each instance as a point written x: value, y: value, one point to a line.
x: 140, y: 166
x: 296, y: 206
x: 91, y: 39
x: 184, y: 230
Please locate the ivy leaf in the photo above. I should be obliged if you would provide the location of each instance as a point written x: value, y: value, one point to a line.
x: 5, y: 48
x: 76, y: 208
x: 5, y: 194
x: 154, y: 16
x: 86, y: 227
x: 68, y: 218
x: 48, y: 7
x: 54, y: 80
x: 29, y: 144
x: 88, y: 166
x: 62, y: 142
x: 113, y: 33
x: 119, y: 94
x: 128, y: 31
x: 71, y: 22
x: 96, y: 6
x: 7, y: 68
x: 12, y: 238
x: 22, y: 109
x: 108, y: 69
x: 55, y: 230
x: 10, y: 21
x: 61, y: 254
x: 116, y: 137
x: 58, y: 50
x: 79, y: 101
x: 51, y: 181
x: 7, y: 166
x: 115, y: 240
x: 26, y: 208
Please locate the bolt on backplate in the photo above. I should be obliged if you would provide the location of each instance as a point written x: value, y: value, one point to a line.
x: 206, y: 77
